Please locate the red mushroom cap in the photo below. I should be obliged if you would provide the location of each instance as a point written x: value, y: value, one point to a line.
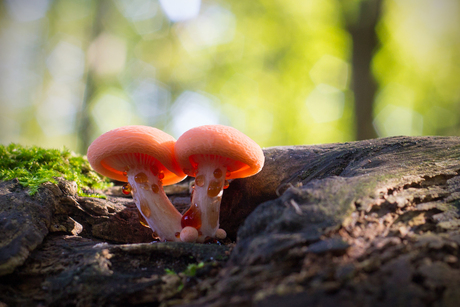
x: 112, y: 153
x: 246, y: 156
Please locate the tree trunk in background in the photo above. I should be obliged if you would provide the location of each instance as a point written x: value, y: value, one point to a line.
x: 364, y: 86
x: 84, y: 125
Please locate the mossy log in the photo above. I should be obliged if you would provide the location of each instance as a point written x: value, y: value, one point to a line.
x: 356, y: 224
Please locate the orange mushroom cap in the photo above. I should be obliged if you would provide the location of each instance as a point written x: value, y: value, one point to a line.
x: 246, y: 156
x: 113, y: 152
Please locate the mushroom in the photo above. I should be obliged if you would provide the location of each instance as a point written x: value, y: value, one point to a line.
x: 214, y: 154
x: 144, y: 157
x: 189, y: 234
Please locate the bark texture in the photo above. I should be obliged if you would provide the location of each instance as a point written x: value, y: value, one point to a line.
x: 357, y: 224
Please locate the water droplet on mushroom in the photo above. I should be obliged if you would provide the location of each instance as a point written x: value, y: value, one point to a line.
x: 192, y: 217
x: 214, y: 188
x: 155, y: 188
x: 142, y: 220
x: 226, y: 184
x: 199, y: 180
x: 126, y: 189
x: 145, y: 209
x: 217, y: 173
x: 141, y: 178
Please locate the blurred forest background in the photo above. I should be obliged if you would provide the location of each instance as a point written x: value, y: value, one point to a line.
x: 285, y: 72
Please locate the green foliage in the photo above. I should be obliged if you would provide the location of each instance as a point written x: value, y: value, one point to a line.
x: 190, y: 271
x: 170, y: 272
x: 33, y: 166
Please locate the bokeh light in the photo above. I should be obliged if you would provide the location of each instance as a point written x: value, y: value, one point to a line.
x: 193, y: 109
x: 279, y: 71
x: 27, y: 10
x: 180, y: 10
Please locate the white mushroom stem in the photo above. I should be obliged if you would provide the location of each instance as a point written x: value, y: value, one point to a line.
x: 209, y: 184
x: 152, y: 202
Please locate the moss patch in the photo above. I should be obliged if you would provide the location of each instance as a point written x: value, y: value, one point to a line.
x: 33, y: 166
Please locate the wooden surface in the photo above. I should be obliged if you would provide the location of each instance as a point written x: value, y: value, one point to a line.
x: 357, y: 224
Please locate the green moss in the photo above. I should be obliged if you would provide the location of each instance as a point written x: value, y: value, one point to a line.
x: 33, y: 166
x: 170, y: 272
x: 190, y: 271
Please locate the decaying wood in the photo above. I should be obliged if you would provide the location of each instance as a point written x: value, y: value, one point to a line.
x: 365, y: 223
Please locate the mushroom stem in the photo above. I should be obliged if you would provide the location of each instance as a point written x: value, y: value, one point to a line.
x: 207, y: 195
x: 152, y: 202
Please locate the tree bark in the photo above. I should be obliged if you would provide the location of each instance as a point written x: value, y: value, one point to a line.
x: 364, y: 86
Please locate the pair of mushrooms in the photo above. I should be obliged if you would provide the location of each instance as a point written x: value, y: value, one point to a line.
x: 148, y: 158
